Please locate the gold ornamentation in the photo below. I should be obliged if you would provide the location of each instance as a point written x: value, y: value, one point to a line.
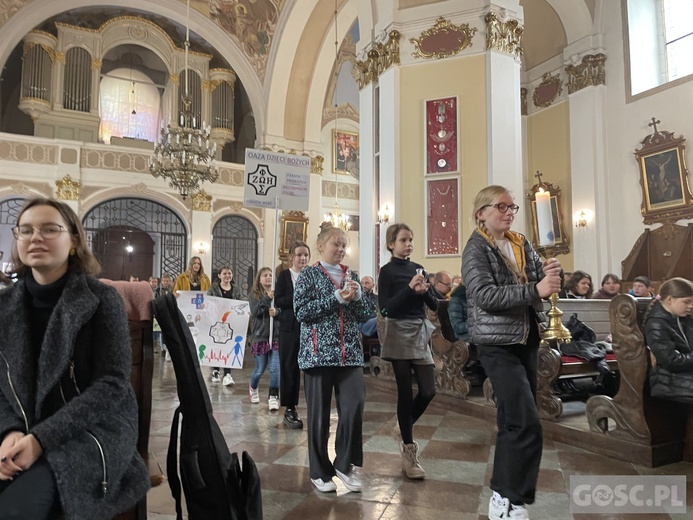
x: 206, y: 84
x: 549, y: 89
x: 381, y: 57
x: 67, y: 189
x: 96, y: 64
x: 443, y: 39
x: 523, y: 101
x: 588, y: 73
x: 316, y: 164
x: 201, y: 201
x: 503, y: 36
x: 173, y: 78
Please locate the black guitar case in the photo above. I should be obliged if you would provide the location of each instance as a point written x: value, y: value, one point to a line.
x: 214, y: 485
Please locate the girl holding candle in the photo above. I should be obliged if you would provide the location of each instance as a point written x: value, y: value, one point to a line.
x: 506, y: 281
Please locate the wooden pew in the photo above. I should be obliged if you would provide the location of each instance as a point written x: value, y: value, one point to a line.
x: 633, y: 415
x: 552, y: 366
x: 449, y: 356
x: 137, y: 297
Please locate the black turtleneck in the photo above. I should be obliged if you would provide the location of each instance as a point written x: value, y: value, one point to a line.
x: 395, y: 297
x: 42, y: 301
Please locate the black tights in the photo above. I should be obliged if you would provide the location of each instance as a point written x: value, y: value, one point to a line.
x: 31, y: 495
x: 410, y: 408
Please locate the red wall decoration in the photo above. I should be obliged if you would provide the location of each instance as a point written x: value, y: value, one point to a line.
x: 441, y: 135
x: 442, y: 218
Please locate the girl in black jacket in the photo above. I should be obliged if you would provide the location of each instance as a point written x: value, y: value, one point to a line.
x: 669, y: 334
x: 68, y: 415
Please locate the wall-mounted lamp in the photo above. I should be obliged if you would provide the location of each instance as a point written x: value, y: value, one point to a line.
x: 202, y: 247
x: 129, y: 248
x: 582, y: 218
x: 384, y: 215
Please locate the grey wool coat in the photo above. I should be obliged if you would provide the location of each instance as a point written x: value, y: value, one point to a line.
x: 87, y: 331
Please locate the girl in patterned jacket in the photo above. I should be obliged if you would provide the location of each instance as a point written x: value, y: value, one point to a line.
x: 328, y: 304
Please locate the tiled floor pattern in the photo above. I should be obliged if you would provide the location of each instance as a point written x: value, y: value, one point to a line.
x: 456, y: 452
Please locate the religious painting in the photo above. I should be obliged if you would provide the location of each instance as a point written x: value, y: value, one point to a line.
x: 666, y: 192
x: 441, y: 135
x: 294, y: 227
x: 442, y: 217
x: 345, y: 152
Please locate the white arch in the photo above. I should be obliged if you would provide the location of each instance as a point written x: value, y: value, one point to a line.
x: 575, y: 17
x: 36, y: 12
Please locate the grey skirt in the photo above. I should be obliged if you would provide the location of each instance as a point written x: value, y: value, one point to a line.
x: 406, y: 339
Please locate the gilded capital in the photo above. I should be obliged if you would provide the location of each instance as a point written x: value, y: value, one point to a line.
x: 381, y: 57
x: 316, y: 164
x: 67, y: 189
x: 503, y: 36
x: 589, y: 72
x: 201, y: 201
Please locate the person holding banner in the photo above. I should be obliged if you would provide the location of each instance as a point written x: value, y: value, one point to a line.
x: 290, y: 332
x: 506, y: 281
x: 223, y: 288
x: 328, y: 304
x: 68, y: 414
x: 193, y: 279
x: 264, y: 349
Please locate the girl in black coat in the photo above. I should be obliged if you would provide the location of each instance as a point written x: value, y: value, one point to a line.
x: 290, y: 333
x: 669, y: 334
x: 68, y: 414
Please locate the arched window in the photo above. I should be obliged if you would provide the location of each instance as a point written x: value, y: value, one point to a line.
x: 129, y: 106
x: 234, y: 245
x: 660, y: 42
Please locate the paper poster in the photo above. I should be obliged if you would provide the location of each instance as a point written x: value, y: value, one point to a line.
x: 219, y: 327
x: 276, y: 180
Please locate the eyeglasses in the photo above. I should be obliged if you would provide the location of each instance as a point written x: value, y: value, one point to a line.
x: 446, y: 284
x: 503, y: 207
x: 49, y: 231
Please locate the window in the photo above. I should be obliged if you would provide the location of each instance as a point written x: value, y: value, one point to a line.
x: 660, y: 42
x: 129, y: 106
x: 678, y: 30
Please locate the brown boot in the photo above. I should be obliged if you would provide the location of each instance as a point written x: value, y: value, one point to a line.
x: 410, y: 461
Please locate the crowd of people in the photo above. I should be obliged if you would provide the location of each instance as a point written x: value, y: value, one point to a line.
x: 321, y: 312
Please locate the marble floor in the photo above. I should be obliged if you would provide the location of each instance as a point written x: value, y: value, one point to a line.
x: 456, y: 452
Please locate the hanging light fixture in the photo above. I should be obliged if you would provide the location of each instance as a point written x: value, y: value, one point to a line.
x: 182, y: 155
x: 336, y: 218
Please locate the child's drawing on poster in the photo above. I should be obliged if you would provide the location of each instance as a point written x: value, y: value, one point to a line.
x: 218, y: 326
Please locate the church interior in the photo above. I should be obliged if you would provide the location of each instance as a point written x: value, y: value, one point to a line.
x: 405, y: 109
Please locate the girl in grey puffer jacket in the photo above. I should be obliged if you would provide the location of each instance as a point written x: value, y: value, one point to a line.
x: 505, y: 284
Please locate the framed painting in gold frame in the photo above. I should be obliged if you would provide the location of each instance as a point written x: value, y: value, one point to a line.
x: 666, y: 192
x: 294, y: 227
x: 562, y: 240
x: 345, y: 151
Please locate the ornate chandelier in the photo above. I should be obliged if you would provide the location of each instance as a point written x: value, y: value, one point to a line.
x: 182, y: 155
x: 336, y: 218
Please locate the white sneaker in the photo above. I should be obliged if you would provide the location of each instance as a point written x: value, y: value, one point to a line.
x: 518, y: 513
x: 254, y: 395
x: 215, y: 376
x: 322, y: 486
x: 351, y: 480
x: 228, y: 380
x: 498, y: 507
x: 273, y: 403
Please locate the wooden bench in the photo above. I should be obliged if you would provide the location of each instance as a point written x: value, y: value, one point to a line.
x: 141, y: 339
x: 450, y: 356
x: 633, y: 415
x: 552, y: 366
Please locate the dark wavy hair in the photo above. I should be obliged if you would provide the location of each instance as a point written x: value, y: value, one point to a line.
x: 83, y: 259
x: 575, y: 279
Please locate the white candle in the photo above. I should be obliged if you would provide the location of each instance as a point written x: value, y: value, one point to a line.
x: 544, y: 218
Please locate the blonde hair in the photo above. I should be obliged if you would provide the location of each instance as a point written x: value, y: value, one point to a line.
x: 327, y: 231
x: 485, y: 198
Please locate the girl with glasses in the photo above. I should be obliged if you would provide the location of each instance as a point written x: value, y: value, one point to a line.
x: 68, y: 414
x: 506, y: 282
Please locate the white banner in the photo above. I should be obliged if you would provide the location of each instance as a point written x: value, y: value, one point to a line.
x: 276, y: 180
x: 219, y: 327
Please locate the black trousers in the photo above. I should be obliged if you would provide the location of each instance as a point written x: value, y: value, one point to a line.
x: 350, y: 394
x: 513, y: 373
x: 289, y: 373
x: 33, y: 494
